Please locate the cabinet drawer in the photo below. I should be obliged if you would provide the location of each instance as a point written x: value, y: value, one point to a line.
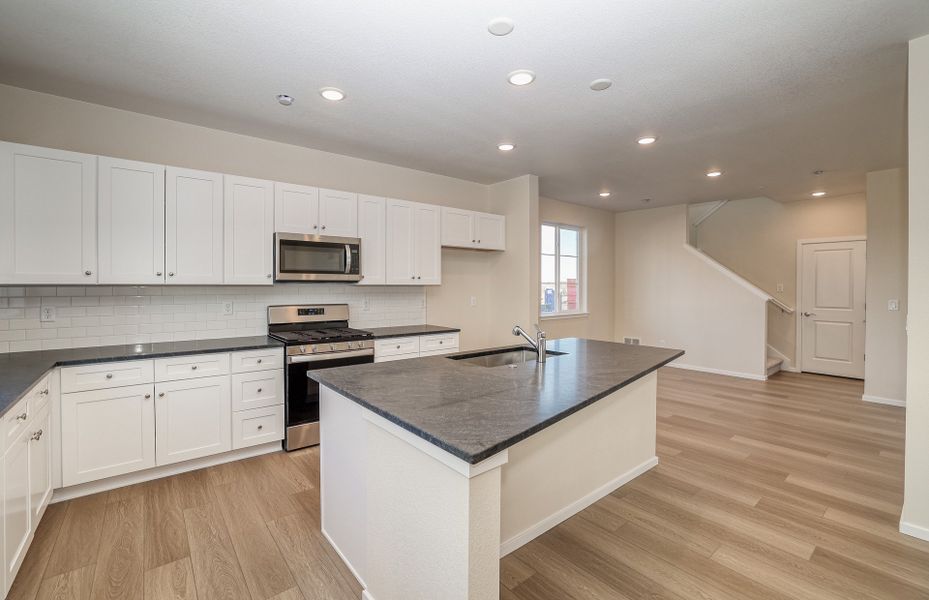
x: 39, y: 394
x: 391, y: 357
x: 15, y: 421
x: 106, y: 375
x: 256, y: 390
x: 396, y: 346
x: 444, y: 341
x: 257, y: 426
x: 190, y: 366
x: 258, y: 360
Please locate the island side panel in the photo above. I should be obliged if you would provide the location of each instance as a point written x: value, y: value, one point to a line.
x: 432, y: 531
x: 561, y: 470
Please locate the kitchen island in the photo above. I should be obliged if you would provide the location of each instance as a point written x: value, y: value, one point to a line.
x: 434, y: 468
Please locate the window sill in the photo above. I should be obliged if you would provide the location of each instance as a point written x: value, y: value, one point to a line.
x: 574, y: 315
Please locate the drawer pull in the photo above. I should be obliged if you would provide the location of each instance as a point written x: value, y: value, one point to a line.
x: 161, y: 395
x: 259, y: 361
x: 22, y: 417
x: 398, y: 346
x: 148, y: 396
x: 109, y: 376
x: 260, y: 427
x: 441, y: 342
x: 193, y: 367
x: 44, y: 392
x: 37, y: 435
x: 259, y: 390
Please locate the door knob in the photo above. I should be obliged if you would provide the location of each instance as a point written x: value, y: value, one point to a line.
x: 809, y: 314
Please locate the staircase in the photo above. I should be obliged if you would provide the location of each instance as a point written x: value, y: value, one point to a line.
x: 773, y: 365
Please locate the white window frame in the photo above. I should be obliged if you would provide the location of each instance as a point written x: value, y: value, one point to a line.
x: 581, y: 271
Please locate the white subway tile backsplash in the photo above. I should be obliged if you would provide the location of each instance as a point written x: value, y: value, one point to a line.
x: 104, y: 315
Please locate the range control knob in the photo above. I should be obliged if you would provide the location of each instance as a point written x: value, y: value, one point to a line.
x: 302, y: 349
x: 331, y: 347
x: 315, y: 348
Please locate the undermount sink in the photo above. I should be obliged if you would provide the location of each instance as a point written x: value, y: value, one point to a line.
x: 499, y: 357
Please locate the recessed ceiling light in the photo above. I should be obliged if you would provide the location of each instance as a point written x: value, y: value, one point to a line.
x: 647, y: 139
x: 521, y: 77
x: 285, y: 100
x: 505, y: 146
x: 604, y: 194
x: 714, y: 173
x: 331, y: 93
x: 598, y: 85
x: 818, y: 194
x: 501, y: 26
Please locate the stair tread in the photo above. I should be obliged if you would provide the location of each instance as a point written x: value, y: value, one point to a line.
x: 773, y: 362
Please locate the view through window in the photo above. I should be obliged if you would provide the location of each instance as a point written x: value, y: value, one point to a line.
x: 562, y: 289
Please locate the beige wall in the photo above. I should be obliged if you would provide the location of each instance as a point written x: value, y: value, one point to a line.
x: 757, y: 238
x: 56, y: 122
x: 885, y: 338
x: 599, y: 230
x: 670, y: 295
x: 915, y: 518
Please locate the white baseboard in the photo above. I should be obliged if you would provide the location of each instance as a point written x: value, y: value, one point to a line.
x: 350, y: 566
x: 575, y: 507
x: 916, y: 531
x: 880, y: 400
x: 754, y: 376
x: 111, y: 483
x: 365, y: 595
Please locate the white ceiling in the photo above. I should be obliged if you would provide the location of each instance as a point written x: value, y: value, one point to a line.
x: 766, y: 90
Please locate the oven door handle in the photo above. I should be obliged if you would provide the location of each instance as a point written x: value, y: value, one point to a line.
x: 329, y: 356
x: 348, y: 259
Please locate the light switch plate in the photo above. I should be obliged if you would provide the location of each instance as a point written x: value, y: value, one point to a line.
x: 365, y: 304
x: 227, y: 308
x: 473, y: 300
x: 48, y: 314
x: 780, y: 287
x: 893, y: 305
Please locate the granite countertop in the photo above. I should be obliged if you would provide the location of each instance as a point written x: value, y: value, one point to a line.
x: 475, y: 412
x: 20, y: 370
x: 410, y: 330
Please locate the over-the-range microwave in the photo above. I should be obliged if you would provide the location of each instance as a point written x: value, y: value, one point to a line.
x: 303, y: 257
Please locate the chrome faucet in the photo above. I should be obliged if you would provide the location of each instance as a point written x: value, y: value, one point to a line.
x: 538, y: 344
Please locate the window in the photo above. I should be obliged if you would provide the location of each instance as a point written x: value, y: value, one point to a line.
x: 562, y: 270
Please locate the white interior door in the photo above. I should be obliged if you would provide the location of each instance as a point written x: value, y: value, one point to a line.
x: 832, y: 308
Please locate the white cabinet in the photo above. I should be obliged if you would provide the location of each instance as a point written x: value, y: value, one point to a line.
x: 48, y: 216
x: 193, y: 227
x: 192, y: 419
x: 249, y: 230
x: 471, y: 229
x: 296, y: 208
x: 414, y: 253
x: 402, y: 348
x: 40, y: 464
x: 107, y: 432
x: 130, y: 221
x: 338, y: 213
x: 372, y: 224
x: 257, y: 426
x: 17, y: 522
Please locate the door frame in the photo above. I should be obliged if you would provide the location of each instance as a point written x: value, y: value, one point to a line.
x: 798, y: 346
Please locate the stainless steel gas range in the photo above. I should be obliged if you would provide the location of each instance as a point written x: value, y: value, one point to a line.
x: 317, y: 337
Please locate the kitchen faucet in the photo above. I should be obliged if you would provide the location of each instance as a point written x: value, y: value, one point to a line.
x: 538, y: 344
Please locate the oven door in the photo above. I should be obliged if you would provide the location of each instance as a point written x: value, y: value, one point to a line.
x: 299, y: 257
x: 301, y: 411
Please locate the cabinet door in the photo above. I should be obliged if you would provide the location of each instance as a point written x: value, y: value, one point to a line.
x: 193, y: 418
x: 193, y: 226
x: 48, y: 216
x: 458, y: 228
x: 338, y: 213
x: 249, y: 231
x: 399, y: 243
x: 372, y: 229
x: 17, y: 524
x: 131, y: 221
x: 491, y: 231
x: 296, y: 208
x: 427, y: 244
x: 40, y: 464
x: 106, y: 433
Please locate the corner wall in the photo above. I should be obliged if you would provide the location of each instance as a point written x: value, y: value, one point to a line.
x: 668, y: 295
x: 885, y: 336
x: 915, y: 517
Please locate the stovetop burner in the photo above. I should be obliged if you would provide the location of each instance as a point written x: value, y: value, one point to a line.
x: 326, y: 335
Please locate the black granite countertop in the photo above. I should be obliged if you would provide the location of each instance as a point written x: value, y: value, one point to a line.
x: 475, y: 412
x: 20, y: 370
x: 410, y: 330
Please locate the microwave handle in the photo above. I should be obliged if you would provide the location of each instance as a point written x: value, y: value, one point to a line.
x: 348, y: 259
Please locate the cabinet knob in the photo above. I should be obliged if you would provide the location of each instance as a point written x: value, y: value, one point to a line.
x: 170, y: 274
x: 148, y: 396
x: 193, y: 367
x: 324, y: 226
x: 161, y: 395
x: 258, y: 361
x: 441, y: 342
x: 22, y: 417
x: 37, y: 435
x: 315, y: 226
x: 259, y: 390
x: 398, y: 346
x: 479, y: 241
x: 109, y: 376
x: 88, y: 273
x: 412, y: 276
x: 260, y: 427
x: 268, y: 275
x: 420, y: 277
x: 158, y: 274
x: 45, y: 392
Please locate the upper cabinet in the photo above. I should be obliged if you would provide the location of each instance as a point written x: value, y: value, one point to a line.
x: 308, y: 210
x: 372, y: 229
x: 413, y: 235
x: 193, y: 227
x: 48, y: 214
x: 131, y: 221
x: 471, y: 229
x: 249, y: 230
x: 296, y: 208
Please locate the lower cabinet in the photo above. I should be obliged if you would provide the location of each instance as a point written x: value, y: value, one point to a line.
x: 17, y: 524
x: 40, y: 464
x: 390, y: 349
x: 192, y: 419
x: 107, y: 432
x: 257, y: 426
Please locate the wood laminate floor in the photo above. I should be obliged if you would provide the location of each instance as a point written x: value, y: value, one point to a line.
x: 789, y: 488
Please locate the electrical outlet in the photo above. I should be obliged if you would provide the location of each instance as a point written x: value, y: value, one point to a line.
x: 893, y: 305
x: 365, y: 304
x: 48, y: 314
x: 227, y: 308
x: 473, y: 300
x: 780, y: 287
x: 633, y: 341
